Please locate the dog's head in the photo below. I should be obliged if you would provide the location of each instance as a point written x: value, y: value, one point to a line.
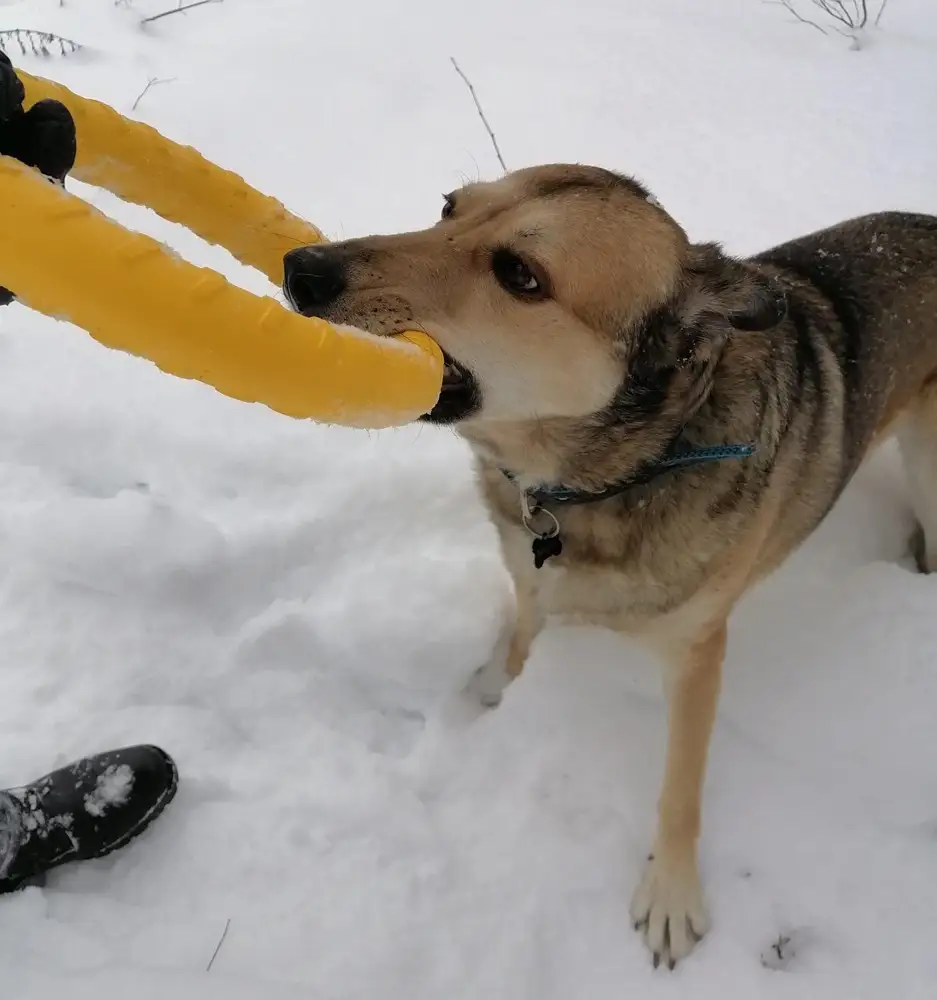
x: 555, y: 292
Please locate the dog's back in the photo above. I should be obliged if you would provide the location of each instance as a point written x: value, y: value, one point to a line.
x: 862, y: 301
x: 875, y: 280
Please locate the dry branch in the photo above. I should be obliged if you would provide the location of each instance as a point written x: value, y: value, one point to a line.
x: 847, y: 17
x: 178, y: 10
x: 791, y: 9
x: 481, y: 113
x: 37, y: 43
x: 224, y: 934
x: 152, y: 82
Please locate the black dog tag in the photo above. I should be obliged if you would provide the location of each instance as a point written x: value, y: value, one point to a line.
x: 545, y: 547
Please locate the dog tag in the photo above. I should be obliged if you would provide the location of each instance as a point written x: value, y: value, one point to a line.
x: 544, y: 547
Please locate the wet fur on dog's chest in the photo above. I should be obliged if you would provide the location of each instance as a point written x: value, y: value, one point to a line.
x: 625, y: 561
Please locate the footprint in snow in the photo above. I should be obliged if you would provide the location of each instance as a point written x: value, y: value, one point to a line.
x: 787, y: 950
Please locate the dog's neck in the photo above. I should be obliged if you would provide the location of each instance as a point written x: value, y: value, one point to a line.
x: 589, y: 453
x: 582, y: 454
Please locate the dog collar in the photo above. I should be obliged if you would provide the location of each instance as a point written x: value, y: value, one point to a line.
x: 536, y: 500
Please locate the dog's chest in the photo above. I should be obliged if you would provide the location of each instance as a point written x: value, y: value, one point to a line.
x: 623, y: 596
x: 625, y: 564
x: 634, y: 600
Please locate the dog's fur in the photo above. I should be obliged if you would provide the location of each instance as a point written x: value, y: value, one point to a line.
x: 637, y: 339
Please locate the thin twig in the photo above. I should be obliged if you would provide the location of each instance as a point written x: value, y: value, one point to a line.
x: 836, y: 9
x: 849, y: 18
x: 178, y: 10
x: 481, y: 114
x: 224, y: 934
x: 790, y: 8
x: 152, y: 82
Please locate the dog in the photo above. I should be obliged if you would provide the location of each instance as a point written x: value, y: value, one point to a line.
x: 656, y: 424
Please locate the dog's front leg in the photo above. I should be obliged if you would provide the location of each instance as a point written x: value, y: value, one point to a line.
x: 522, y: 622
x: 668, y: 904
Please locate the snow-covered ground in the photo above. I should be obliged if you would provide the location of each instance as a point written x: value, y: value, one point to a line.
x: 288, y: 608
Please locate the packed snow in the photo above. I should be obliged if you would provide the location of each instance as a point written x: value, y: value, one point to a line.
x: 289, y: 609
x: 112, y: 788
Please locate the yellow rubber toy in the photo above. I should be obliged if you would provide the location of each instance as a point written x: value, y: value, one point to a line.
x: 66, y: 259
x: 135, y: 162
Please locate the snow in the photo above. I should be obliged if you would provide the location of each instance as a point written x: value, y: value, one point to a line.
x: 288, y: 608
x: 111, y: 789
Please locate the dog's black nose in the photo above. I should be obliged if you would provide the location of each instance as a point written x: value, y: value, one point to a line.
x: 313, y: 278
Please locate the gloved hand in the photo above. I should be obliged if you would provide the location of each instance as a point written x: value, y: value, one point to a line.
x: 43, y: 137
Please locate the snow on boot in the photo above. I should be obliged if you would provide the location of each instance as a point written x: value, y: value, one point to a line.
x: 86, y: 810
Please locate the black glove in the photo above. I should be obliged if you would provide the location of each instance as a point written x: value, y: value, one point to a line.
x: 43, y: 137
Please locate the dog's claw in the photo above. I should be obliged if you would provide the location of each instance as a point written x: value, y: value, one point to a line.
x: 668, y: 911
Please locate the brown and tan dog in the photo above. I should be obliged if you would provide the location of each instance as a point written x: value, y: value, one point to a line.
x: 656, y: 424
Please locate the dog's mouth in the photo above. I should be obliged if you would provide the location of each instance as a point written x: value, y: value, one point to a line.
x: 454, y: 376
x: 459, y: 396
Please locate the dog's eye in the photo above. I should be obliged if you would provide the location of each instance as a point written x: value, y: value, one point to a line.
x: 515, y: 275
x: 448, y: 206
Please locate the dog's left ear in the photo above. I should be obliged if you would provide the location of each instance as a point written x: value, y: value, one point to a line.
x: 747, y: 298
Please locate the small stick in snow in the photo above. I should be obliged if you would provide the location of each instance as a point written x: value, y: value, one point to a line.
x: 481, y: 114
x: 152, y: 82
x: 224, y: 934
x: 178, y: 10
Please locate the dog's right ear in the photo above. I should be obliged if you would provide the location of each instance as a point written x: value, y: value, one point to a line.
x: 735, y: 290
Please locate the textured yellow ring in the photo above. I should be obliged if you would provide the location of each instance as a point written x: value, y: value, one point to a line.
x: 66, y: 259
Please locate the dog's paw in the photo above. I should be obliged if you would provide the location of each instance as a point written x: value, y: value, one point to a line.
x: 668, y: 909
x: 486, y: 686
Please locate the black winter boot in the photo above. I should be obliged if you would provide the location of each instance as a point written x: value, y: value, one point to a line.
x: 85, y: 810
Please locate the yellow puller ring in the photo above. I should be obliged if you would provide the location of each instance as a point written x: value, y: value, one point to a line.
x: 66, y: 259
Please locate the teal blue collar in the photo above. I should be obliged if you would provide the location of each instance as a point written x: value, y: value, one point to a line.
x: 676, y: 459
x: 548, y: 543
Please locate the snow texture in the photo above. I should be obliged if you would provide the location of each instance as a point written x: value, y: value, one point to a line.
x: 288, y: 608
x: 112, y: 788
